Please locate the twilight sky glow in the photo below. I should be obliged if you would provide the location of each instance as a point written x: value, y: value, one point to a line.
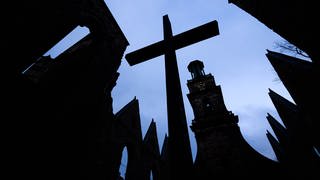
x: 236, y: 58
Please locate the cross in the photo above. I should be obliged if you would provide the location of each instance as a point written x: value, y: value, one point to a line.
x: 179, y: 144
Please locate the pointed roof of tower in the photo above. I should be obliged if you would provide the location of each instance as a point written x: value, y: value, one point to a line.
x: 129, y: 118
x: 275, y: 146
x: 300, y: 78
x: 296, y: 74
x: 132, y: 103
x: 287, y: 110
x: 280, y: 131
x: 150, y: 140
x: 164, y: 150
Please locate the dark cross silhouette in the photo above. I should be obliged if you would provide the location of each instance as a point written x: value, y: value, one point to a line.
x: 179, y: 144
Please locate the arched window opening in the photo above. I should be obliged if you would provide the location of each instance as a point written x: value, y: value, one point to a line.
x: 151, y: 175
x: 124, y: 163
x: 316, y: 151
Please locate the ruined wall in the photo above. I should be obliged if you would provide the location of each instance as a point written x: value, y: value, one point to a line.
x: 143, y: 154
x: 60, y: 125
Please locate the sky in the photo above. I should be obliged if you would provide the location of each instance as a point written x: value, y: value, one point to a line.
x: 236, y: 58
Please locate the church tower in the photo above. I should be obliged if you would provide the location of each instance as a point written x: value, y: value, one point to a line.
x: 222, y: 150
x: 206, y: 100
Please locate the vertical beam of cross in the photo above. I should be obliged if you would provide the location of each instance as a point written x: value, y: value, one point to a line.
x: 179, y: 144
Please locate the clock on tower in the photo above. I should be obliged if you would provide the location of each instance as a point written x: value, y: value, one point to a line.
x: 206, y: 97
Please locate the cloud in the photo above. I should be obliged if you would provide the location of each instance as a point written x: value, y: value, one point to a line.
x: 236, y: 58
x: 254, y: 125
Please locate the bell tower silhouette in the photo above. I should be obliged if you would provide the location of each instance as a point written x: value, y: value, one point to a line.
x: 206, y: 99
x: 217, y: 133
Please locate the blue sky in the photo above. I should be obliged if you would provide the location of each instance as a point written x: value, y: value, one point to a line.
x: 236, y: 58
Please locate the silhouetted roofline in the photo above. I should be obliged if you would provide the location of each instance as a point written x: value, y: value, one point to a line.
x: 278, y: 129
x: 127, y: 106
x: 286, y: 109
x: 275, y: 146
